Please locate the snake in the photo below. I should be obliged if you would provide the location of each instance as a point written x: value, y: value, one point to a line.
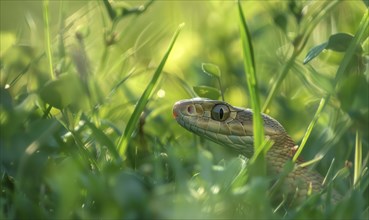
x: 232, y: 127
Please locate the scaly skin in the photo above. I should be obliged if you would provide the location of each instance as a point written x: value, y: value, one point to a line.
x: 232, y: 126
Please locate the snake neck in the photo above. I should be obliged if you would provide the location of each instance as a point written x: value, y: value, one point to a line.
x: 284, y: 148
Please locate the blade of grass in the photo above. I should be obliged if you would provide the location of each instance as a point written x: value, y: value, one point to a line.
x: 112, y: 14
x: 358, y: 159
x: 266, y: 145
x: 47, y: 37
x: 249, y: 64
x: 124, y: 139
x: 328, y: 172
x: 310, y: 128
x: 310, y: 162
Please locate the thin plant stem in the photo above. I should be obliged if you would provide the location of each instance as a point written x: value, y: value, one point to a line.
x: 47, y: 37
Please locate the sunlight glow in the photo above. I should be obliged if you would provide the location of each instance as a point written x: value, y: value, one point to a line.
x: 161, y: 93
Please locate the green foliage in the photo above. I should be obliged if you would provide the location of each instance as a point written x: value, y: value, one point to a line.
x: 338, y: 42
x: 211, y: 69
x: 61, y: 93
x: 131, y: 125
x: 252, y: 85
x: 207, y: 92
x: 86, y: 126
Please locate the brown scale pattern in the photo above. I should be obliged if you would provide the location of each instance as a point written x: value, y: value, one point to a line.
x: 302, y: 178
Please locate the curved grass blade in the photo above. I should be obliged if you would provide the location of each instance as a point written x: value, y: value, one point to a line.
x: 124, y: 139
x: 250, y: 73
x: 322, y: 104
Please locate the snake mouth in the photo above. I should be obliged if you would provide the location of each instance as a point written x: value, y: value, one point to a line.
x: 175, y: 113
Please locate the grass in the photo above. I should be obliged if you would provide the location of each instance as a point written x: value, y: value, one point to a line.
x: 86, y: 120
x: 133, y: 120
x: 47, y: 37
x: 299, y: 42
x: 250, y: 72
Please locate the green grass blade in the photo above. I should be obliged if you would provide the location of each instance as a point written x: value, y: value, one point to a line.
x: 322, y: 104
x: 358, y: 159
x: 310, y: 162
x: 249, y: 64
x: 47, y: 37
x: 250, y: 73
x: 124, y: 140
x: 328, y: 173
x: 112, y: 14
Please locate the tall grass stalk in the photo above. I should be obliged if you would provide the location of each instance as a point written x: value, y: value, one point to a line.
x: 321, y: 106
x: 250, y: 72
x: 131, y: 125
x: 358, y: 159
x: 47, y: 37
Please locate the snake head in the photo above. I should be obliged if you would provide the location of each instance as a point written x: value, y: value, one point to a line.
x: 223, y: 123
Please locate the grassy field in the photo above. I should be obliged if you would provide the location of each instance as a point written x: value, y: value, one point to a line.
x: 87, y: 89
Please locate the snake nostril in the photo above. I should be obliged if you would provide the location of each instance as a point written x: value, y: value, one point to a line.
x: 191, y: 109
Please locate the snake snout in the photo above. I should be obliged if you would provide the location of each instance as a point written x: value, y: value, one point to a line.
x: 176, y: 110
x: 187, y: 108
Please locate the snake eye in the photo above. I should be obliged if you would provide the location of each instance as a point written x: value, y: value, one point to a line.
x: 220, y: 112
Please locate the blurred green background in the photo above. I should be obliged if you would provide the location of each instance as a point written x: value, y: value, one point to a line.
x: 73, y: 71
